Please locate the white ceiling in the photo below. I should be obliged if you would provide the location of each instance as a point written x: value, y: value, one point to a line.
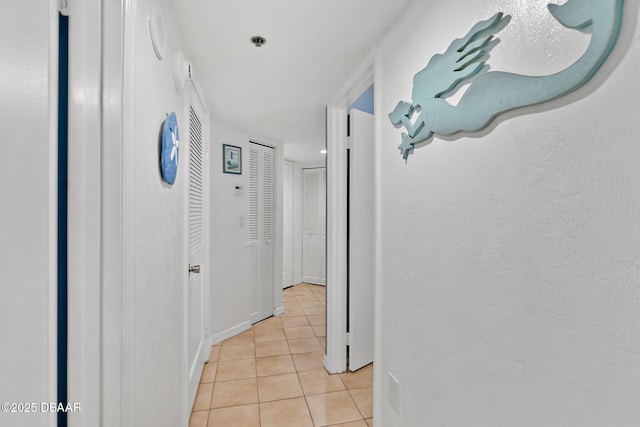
x: 278, y: 92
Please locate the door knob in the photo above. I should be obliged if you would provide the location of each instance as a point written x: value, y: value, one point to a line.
x: 194, y: 269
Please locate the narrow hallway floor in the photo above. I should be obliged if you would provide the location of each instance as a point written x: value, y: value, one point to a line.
x: 273, y: 374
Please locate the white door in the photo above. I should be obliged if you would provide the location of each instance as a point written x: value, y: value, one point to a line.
x: 361, y: 240
x: 198, y: 150
x: 314, y: 225
x: 288, y: 214
x: 261, y: 228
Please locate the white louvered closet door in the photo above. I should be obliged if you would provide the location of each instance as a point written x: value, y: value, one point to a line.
x: 314, y: 226
x: 261, y: 228
x: 196, y: 206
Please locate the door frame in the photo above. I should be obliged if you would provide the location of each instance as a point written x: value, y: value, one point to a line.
x: 98, y: 241
x: 335, y: 360
x: 285, y: 191
x: 101, y: 287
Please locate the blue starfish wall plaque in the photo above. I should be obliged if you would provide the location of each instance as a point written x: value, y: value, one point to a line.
x: 170, y: 148
x: 491, y: 93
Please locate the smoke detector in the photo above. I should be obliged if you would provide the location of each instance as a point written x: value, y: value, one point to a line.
x: 258, y: 40
x: 181, y: 70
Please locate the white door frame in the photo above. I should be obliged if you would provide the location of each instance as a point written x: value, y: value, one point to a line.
x: 336, y: 352
x: 101, y: 241
x: 97, y: 209
x: 290, y: 193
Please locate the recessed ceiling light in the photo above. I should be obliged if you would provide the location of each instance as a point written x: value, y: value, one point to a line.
x: 258, y: 40
x: 323, y: 151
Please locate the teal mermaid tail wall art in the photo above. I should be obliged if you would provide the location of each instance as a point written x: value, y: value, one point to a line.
x: 491, y: 93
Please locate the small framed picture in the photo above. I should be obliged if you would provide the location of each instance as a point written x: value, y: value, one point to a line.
x: 231, y: 159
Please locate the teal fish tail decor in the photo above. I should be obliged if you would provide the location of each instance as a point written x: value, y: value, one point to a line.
x: 491, y: 93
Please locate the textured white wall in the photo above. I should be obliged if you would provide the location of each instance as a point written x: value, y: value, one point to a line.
x: 160, y: 238
x: 231, y: 277
x: 27, y: 215
x: 510, y: 270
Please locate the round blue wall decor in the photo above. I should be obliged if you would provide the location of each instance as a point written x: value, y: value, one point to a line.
x: 170, y: 147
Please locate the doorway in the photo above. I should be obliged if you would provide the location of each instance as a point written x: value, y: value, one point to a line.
x: 304, y: 219
x: 339, y: 305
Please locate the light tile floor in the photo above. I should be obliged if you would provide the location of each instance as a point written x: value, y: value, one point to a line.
x: 273, y: 375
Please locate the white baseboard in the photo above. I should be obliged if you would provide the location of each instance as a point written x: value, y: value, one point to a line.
x: 314, y: 281
x: 278, y: 311
x: 230, y: 333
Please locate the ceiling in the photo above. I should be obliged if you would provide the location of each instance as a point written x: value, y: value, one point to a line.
x: 278, y: 92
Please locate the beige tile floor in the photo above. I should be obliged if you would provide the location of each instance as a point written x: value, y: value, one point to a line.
x: 273, y: 375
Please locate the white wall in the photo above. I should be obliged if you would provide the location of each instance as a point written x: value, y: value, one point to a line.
x: 159, y: 237
x: 508, y: 261
x: 28, y: 214
x: 231, y: 279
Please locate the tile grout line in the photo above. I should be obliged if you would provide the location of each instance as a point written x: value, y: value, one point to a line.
x: 290, y: 354
x: 306, y: 401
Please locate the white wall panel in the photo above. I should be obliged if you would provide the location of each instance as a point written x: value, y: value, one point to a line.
x: 28, y: 213
x: 160, y: 234
x: 509, y: 260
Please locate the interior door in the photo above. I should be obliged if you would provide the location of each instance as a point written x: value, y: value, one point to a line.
x: 261, y: 229
x: 314, y: 226
x: 361, y: 239
x: 265, y: 292
x: 198, y: 149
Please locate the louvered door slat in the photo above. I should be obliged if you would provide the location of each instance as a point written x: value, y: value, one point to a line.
x: 322, y: 202
x: 267, y: 193
x: 196, y: 182
x: 254, y: 194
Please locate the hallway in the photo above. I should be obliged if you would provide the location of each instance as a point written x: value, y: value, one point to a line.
x: 273, y: 374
